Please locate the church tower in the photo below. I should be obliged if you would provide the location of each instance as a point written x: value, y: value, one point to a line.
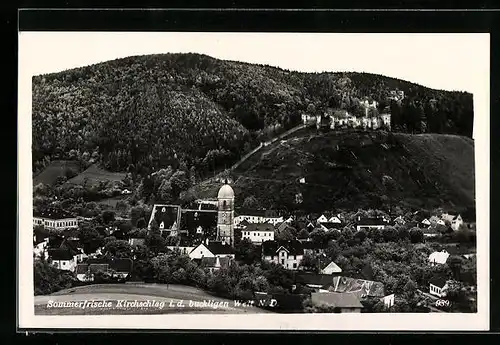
x: 225, y: 215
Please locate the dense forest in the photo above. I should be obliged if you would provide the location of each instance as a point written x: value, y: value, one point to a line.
x: 143, y: 113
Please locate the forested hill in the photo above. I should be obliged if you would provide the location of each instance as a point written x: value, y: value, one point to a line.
x: 146, y: 112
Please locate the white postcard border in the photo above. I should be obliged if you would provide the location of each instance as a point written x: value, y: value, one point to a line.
x: 344, y: 322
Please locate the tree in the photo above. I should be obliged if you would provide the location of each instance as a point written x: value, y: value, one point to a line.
x: 251, y: 202
x: 309, y: 262
x: 141, y: 223
x: 48, y: 279
x: 246, y: 252
x: 390, y: 234
x: 303, y: 234
x: 416, y: 235
x: 318, y: 236
x: 155, y: 243
x: 108, y: 216
x: 118, y: 249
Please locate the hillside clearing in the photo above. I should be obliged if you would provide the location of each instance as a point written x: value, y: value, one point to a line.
x: 94, y: 175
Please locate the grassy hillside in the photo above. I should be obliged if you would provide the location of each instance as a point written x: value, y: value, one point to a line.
x: 56, y: 169
x: 95, y: 175
x: 147, y: 112
x: 359, y: 170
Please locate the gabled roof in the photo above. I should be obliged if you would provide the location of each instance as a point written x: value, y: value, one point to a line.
x: 216, y: 247
x: 371, y: 221
x: 438, y: 280
x: 257, y: 213
x: 331, y: 225
x: 260, y: 227
x: 166, y: 214
x: 119, y: 265
x: 359, y: 286
x: 73, y: 246
x: 330, y: 266
x: 335, y: 299
x: 212, y: 262
x: 60, y: 254
x: 310, y: 278
x: 294, y: 247
x: 244, y: 222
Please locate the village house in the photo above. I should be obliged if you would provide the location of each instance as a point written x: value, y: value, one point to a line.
x: 257, y: 216
x: 211, y: 249
x: 258, y: 233
x: 438, y: 285
x: 425, y: 223
x: 341, y: 302
x: 215, y: 263
x: 330, y: 268
x: 135, y: 241
x: 435, y: 220
x: 370, y: 223
x: 439, y: 258
x: 335, y: 219
x: 287, y: 254
x: 40, y: 245
x: 62, y: 259
x: 119, y: 268
x: 322, y: 219
x: 456, y: 222
x: 312, y: 248
x: 313, y: 280
x: 361, y: 287
x: 399, y: 221
x: 54, y: 218
x: 185, y: 250
x: 328, y: 226
x: 388, y: 300
x: 430, y: 232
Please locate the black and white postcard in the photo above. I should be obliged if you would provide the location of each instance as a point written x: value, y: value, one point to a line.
x: 260, y: 181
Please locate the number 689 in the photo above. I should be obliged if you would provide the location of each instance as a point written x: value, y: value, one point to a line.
x: 442, y: 303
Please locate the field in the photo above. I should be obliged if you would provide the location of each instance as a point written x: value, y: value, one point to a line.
x: 168, y: 299
x: 94, y: 174
x: 54, y: 170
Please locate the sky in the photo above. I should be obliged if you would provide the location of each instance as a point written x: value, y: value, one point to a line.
x: 440, y: 61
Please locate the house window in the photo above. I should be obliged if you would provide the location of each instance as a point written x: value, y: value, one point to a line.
x: 294, y: 265
x: 282, y: 261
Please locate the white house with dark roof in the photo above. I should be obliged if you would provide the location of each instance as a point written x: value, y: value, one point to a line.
x: 257, y: 216
x: 211, y: 249
x: 62, y: 259
x: 370, y: 223
x: 287, y: 254
x: 258, y: 233
x: 54, y: 218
